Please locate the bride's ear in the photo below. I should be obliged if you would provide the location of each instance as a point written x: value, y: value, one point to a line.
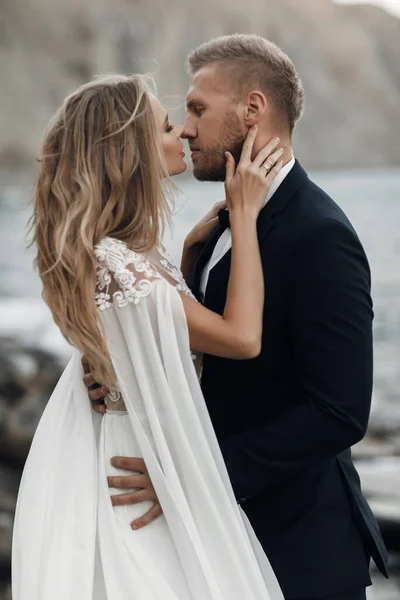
x: 256, y: 107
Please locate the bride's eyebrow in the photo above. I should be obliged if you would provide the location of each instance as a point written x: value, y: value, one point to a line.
x: 166, y: 119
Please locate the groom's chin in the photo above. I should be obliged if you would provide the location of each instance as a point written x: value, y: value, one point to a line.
x: 209, y: 174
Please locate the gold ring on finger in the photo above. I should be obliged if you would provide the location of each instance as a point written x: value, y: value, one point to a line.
x: 267, y: 169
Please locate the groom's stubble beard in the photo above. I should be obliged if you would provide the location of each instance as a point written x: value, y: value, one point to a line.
x: 212, y: 163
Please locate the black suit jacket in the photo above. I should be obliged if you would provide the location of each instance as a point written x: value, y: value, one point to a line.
x: 286, y: 420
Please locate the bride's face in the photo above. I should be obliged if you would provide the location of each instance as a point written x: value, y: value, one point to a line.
x: 170, y: 138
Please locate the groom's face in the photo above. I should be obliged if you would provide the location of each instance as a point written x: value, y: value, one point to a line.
x: 213, y: 125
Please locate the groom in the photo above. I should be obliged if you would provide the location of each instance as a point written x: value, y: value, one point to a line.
x: 286, y: 420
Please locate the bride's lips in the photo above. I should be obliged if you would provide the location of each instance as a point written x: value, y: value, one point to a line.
x: 182, y: 154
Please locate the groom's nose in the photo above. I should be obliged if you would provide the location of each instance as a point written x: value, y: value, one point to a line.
x: 189, y: 130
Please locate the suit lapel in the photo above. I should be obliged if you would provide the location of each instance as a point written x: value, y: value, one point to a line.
x: 219, y: 274
x: 280, y: 200
x: 203, y: 259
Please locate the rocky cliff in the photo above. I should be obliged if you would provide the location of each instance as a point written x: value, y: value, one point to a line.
x: 347, y: 56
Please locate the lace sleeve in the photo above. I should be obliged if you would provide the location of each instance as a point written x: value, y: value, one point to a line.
x: 123, y: 276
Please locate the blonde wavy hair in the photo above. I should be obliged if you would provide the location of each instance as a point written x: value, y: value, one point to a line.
x: 100, y: 175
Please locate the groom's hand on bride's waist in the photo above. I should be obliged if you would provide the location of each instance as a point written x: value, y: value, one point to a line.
x: 141, y: 480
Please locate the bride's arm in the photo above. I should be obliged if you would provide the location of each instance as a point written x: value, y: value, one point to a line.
x: 237, y: 333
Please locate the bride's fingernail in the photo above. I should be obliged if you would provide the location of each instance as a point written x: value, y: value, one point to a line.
x: 276, y: 140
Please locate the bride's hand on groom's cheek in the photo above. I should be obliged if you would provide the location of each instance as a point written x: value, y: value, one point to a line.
x: 140, y: 480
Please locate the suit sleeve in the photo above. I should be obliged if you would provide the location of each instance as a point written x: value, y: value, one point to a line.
x: 330, y: 316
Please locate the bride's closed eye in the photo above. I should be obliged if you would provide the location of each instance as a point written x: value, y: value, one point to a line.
x: 170, y: 127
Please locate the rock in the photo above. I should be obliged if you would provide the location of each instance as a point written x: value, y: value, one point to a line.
x: 10, y: 478
x: 28, y: 375
x: 5, y: 591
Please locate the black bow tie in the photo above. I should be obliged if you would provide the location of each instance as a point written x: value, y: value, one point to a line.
x: 223, y: 218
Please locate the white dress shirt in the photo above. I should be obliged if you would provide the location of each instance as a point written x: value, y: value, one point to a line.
x: 225, y: 241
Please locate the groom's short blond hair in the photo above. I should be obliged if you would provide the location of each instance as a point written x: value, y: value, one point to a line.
x: 251, y: 60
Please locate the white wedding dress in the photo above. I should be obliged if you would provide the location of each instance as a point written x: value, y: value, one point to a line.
x: 69, y: 542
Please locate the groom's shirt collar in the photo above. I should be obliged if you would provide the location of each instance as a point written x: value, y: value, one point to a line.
x: 279, y: 178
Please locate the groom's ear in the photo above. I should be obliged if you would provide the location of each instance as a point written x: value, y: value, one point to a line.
x: 256, y: 107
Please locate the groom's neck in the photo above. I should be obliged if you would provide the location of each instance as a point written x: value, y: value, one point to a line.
x: 285, y: 142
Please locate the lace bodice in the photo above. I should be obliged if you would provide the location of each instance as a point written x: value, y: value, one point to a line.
x: 125, y: 277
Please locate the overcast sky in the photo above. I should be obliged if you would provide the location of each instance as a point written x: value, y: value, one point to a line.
x: 392, y: 6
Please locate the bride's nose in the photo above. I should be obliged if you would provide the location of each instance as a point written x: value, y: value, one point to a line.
x: 179, y: 130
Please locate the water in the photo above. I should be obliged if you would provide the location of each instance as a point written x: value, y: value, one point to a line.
x: 370, y: 199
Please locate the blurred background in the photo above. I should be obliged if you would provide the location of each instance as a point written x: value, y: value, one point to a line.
x: 348, y: 56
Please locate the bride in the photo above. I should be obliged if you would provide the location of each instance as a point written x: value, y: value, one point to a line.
x: 99, y: 209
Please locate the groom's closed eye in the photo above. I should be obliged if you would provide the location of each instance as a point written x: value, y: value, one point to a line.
x: 197, y: 109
